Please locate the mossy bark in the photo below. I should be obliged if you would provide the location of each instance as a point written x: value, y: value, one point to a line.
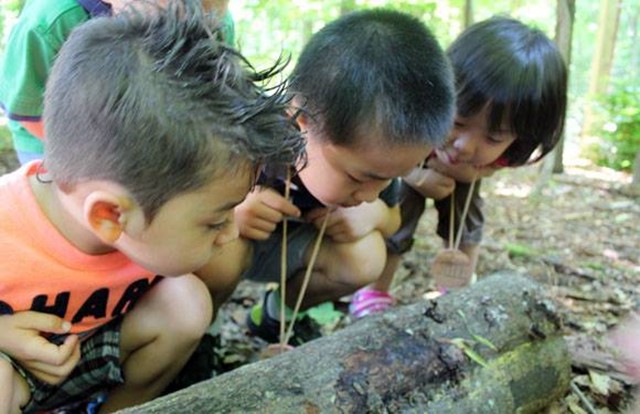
x: 495, y: 347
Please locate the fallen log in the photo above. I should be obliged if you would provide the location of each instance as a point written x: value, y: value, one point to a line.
x: 495, y: 347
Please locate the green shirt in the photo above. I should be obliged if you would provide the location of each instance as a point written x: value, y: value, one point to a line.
x: 32, y: 46
x: 34, y: 41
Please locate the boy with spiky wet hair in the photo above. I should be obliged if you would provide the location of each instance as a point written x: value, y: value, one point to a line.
x: 143, y: 167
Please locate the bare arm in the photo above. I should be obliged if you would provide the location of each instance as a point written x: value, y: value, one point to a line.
x: 430, y: 183
x: 352, y: 223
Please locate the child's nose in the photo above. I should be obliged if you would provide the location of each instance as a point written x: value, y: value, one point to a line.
x: 369, y: 192
x: 464, y: 144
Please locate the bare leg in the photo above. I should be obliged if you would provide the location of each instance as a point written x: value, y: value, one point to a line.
x: 223, y: 272
x: 158, y: 337
x: 473, y: 252
x: 340, y: 269
x: 383, y: 284
x: 14, y: 391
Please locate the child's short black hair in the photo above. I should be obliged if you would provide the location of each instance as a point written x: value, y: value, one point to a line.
x: 520, y: 74
x: 376, y: 69
x: 156, y: 103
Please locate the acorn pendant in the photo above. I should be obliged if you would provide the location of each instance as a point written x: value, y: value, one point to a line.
x: 451, y: 269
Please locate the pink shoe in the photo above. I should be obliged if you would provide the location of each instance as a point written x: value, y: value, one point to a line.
x: 367, y: 301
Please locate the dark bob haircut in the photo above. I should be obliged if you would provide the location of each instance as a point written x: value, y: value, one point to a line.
x: 519, y: 73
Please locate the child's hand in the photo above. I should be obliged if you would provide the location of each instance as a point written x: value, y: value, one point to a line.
x: 22, y: 340
x: 626, y: 339
x: 258, y: 215
x: 348, y: 224
x: 464, y: 173
x: 430, y: 183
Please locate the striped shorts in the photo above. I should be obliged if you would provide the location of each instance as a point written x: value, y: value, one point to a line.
x: 98, y: 370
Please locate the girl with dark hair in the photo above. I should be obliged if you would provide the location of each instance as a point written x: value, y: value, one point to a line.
x: 511, y: 90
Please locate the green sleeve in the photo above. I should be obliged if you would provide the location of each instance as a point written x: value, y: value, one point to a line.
x: 229, y: 29
x: 31, y: 49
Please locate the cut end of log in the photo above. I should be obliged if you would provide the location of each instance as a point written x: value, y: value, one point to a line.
x: 451, y: 269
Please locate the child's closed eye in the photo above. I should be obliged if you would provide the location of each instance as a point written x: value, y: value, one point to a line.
x: 355, y: 180
x: 499, y: 137
x: 218, y: 226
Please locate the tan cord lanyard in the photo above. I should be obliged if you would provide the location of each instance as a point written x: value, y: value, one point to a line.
x: 463, y: 217
x: 284, y: 337
x: 283, y: 262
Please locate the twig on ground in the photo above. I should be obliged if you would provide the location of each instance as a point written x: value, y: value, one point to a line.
x: 583, y: 399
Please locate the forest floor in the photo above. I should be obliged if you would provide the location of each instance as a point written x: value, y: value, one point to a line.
x: 579, y: 236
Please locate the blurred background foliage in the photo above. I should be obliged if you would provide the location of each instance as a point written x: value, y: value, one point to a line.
x: 268, y: 29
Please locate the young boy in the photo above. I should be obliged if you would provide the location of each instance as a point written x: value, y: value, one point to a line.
x: 511, y: 102
x: 143, y: 167
x: 376, y: 96
x: 33, y: 44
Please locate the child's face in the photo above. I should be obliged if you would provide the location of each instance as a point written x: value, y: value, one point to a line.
x: 347, y: 176
x: 189, y: 228
x: 472, y: 143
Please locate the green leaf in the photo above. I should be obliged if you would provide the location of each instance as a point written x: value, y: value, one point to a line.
x: 324, y: 314
x: 468, y: 351
x: 485, y: 342
x: 519, y: 250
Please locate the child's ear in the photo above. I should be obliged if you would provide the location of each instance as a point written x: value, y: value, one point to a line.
x: 302, y: 119
x: 106, y: 214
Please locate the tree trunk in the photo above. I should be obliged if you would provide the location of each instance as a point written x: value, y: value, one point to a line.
x: 634, y: 188
x: 432, y: 356
x: 566, y: 12
x: 468, y: 13
x: 565, y: 17
x: 347, y: 6
x: 608, y: 18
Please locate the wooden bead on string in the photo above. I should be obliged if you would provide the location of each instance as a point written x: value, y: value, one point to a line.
x: 451, y: 268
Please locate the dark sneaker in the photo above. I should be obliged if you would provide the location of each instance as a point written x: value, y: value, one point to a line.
x: 264, y: 326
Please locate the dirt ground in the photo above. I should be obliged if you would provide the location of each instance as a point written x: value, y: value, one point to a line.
x: 579, y: 236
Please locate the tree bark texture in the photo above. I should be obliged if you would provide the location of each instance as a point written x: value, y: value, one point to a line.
x: 565, y: 12
x: 495, y: 347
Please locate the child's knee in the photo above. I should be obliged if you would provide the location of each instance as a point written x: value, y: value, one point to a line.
x: 223, y: 273
x: 190, y: 310
x: 182, y: 306
x: 221, y: 284
x: 361, y: 262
